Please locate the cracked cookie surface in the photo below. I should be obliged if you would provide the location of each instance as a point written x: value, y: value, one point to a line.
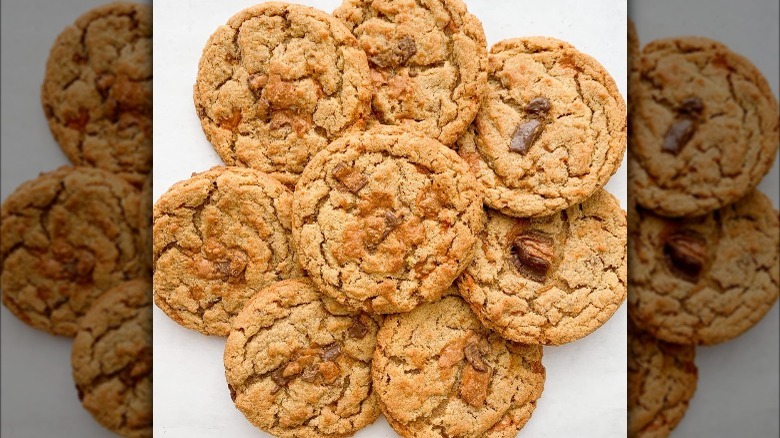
x: 708, y: 279
x: 68, y: 236
x: 384, y: 221
x: 276, y: 84
x: 551, y: 130
x: 97, y: 92
x: 704, y: 129
x: 661, y: 382
x: 428, y: 62
x: 439, y: 373
x: 299, y: 365
x: 112, y: 359
x: 549, y: 280
x: 219, y: 237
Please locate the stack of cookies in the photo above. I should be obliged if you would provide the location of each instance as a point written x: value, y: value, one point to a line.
x: 74, y: 259
x: 703, y: 251
x: 404, y: 219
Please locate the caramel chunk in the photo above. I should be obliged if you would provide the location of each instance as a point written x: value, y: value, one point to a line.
x: 474, y: 385
x: 452, y: 353
x: 352, y: 179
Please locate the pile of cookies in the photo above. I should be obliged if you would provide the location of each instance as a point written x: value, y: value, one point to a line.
x: 403, y: 221
x: 74, y: 259
x: 703, y: 250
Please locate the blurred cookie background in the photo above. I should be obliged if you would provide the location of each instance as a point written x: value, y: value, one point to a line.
x: 737, y: 389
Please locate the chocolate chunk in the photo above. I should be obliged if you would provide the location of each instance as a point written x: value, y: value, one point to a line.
x: 406, y: 49
x: 331, y: 351
x: 538, y: 106
x: 357, y: 330
x: 678, y: 135
x: 352, y: 179
x: 279, y: 379
x: 230, y: 388
x: 532, y: 254
x: 686, y: 254
x: 474, y: 356
x: 525, y: 136
x: 692, y: 106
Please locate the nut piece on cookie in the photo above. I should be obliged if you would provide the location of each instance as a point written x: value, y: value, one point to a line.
x: 219, y: 237
x: 439, y: 354
x: 292, y: 357
x: 428, y: 63
x: 276, y: 84
x: 708, y: 279
x: 68, y: 236
x: 384, y: 221
x: 551, y: 130
x: 549, y: 280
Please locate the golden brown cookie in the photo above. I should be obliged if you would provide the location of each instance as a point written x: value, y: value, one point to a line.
x: 551, y: 131
x: 707, y: 279
x: 68, y: 236
x: 428, y: 62
x: 661, y: 382
x: 145, y: 227
x: 219, y: 237
x: 298, y: 365
x: 704, y: 130
x: 276, y: 84
x: 439, y: 373
x: 384, y: 220
x: 97, y: 92
x: 549, y: 280
x: 112, y: 359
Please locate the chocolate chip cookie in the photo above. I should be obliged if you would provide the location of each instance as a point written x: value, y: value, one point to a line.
x: 276, y: 84
x: 707, y: 279
x: 704, y: 130
x: 661, y: 382
x: 145, y: 231
x: 112, y: 359
x: 551, y: 131
x: 439, y: 373
x: 384, y: 220
x: 68, y: 236
x: 428, y: 62
x: 549, y: 280
x: 219, y: 237
x: 97, y: 91
x: 298, y: 365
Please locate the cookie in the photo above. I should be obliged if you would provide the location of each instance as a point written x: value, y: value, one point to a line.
x: 439, y: 373
x: 276, y: 84
x: 551, y: 131
x: 428, y: 62
x: 550, y: 280
x: 219, y: 237
x: 112, y: 359
x: 384, y: 220
x: 661, y: 382
x: 97, y: 91
x: 298, y: 365
x: 68, y: 236
x: 708, y: 279
x: 704, y: 130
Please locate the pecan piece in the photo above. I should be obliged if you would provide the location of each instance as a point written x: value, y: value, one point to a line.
x: 686, y: 254
x: 474, y: 354
x: 352, y: 179
x: 532, y: 254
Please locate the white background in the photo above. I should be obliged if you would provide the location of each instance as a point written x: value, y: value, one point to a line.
x: 737, y: 394
x: 37, y: 394
x: 585, y: 392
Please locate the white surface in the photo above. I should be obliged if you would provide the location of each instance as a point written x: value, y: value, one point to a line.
x: 739, y: 382
x: 585, y: 392
x: 37, y: 394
